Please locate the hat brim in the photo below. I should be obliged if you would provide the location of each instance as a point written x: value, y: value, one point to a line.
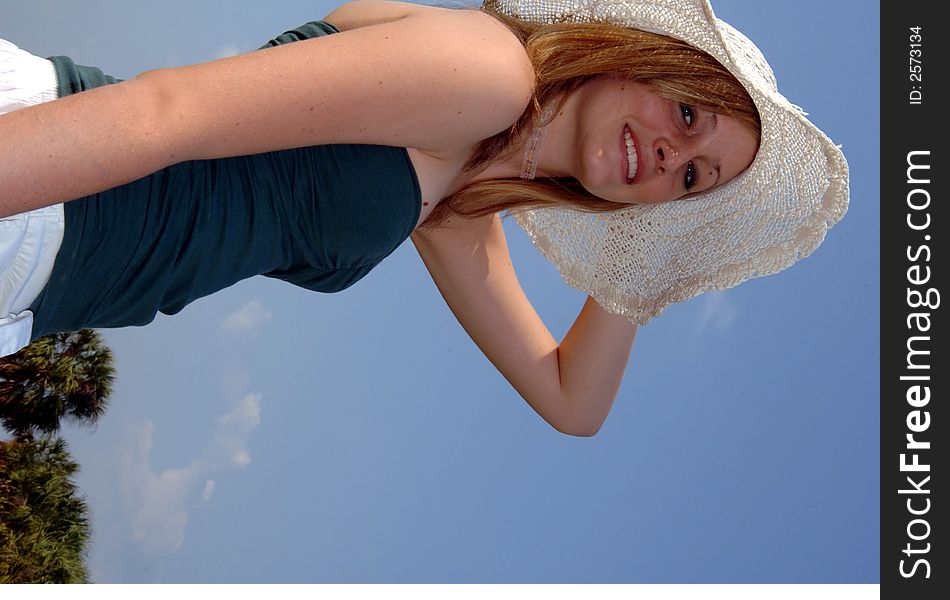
x: 638, y: 260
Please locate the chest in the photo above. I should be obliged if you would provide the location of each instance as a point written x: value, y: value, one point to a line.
x: 439, y: 176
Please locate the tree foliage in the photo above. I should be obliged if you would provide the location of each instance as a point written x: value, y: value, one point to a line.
x: 44, y: 524
x: 59, y: 376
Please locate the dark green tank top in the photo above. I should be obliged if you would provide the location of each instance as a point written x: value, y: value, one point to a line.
x: 320, y: 217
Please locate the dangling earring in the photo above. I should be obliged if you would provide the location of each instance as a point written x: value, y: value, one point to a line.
x: 532, y: 150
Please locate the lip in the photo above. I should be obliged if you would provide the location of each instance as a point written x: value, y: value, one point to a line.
x: 624, y: 162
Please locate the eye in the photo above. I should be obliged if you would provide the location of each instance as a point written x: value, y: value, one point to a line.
x: 690, y: 180
x: 687, y: 111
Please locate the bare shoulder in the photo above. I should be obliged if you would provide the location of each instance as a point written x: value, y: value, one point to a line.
x: 478, y: 24
x: 480, y: 50
x: 482, y: 29
x: 362, y: 13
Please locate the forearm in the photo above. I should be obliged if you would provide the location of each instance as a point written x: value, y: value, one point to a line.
x: 79, y: 145
x: 592, y: 358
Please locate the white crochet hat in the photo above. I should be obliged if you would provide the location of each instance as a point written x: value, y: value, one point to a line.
x: 638, y: 260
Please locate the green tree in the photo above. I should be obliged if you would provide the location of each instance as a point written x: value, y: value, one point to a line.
x: 44, y: 523
x: 63, y: 375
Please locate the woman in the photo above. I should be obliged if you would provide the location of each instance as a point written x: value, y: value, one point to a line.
x: 456, y: 107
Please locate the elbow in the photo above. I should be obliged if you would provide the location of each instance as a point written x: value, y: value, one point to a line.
x: 584, y: 428
x: 584, y: 432
x: 580, y: 419
x: 576, y: 419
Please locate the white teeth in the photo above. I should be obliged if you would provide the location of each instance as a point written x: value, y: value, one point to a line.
x: 631, y: 154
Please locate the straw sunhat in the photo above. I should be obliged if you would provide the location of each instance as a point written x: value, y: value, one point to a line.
x: 639, y: 260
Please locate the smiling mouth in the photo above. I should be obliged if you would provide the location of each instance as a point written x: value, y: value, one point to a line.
x: 631, y: 154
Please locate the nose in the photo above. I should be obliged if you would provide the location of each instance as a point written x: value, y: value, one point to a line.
x: 668, y: 156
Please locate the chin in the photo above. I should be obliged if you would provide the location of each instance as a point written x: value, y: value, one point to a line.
x: 616, y: 199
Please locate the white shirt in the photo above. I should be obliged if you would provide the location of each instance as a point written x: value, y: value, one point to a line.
x: 29, y: 241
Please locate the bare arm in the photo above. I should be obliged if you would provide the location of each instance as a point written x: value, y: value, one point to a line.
x: 593, y: 357
x: 571, y: 386
x: 414, y: 82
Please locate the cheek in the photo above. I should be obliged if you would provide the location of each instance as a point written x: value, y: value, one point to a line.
x: 592, y: 165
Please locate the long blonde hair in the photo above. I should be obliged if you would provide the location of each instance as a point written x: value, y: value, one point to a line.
x: 567, y: 55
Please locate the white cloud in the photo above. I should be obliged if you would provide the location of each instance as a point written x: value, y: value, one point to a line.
x: 717, y: 313
x: 251, y: 317
x: 234, y: 429
x: 158, y: 503
x: 209, y: 489
x: 245, y: 416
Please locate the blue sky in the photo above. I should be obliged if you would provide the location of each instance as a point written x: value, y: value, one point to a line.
x: 269, y: 434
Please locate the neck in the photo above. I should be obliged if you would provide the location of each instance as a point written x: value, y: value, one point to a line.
x: 541, y: 146
x: 504, y: 167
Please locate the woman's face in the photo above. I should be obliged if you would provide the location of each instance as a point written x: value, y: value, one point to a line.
x: 631, y: 145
